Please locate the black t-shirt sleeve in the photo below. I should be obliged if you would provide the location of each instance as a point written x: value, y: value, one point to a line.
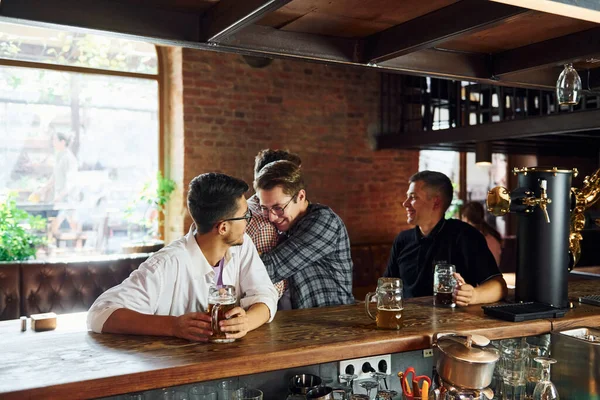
x: 480, y: 264
x: 393, y: 269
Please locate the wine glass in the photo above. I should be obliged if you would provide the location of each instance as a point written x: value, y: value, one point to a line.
x: 347, y: 382
x: 545, y: 389
x: 378, y: 376
x: 368, y: 385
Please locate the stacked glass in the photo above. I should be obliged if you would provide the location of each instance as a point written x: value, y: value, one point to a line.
x: 514, y: 363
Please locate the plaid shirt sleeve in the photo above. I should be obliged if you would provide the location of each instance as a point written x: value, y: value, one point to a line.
x: 314, y: 237
x: 265, y: 237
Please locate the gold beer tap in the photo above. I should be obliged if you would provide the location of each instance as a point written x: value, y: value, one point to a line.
x: 543, y: 201
x: 584, y: 198
x: 501, y: 202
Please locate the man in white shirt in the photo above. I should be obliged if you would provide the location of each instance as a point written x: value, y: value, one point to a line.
x: 168, y: 294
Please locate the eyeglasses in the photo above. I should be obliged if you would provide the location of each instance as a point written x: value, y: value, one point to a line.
x: 247, y: 217
x: 276, y: 210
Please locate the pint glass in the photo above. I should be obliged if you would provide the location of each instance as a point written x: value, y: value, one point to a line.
x: 220, y: 301
x: 444, y: 283
x: 389, y: 303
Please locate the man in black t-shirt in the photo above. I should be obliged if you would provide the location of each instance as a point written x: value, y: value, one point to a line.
x: 415, y: 252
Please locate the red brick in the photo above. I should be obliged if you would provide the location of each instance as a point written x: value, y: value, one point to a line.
x: 319, y: 111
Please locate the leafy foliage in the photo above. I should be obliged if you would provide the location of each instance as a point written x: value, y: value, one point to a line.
x: 18, y: 240
x: 154, y: 195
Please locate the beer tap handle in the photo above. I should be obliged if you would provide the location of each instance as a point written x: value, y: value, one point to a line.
x: 544, y: 200
x: 545, y: 210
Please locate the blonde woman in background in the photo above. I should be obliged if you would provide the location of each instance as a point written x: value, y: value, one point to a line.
x: 474, y: 214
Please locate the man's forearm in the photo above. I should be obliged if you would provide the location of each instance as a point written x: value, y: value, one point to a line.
x: 133, y: 322
x: 491, y: 291
x: 257, y: 315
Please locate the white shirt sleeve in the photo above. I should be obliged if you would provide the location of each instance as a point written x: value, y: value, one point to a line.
x: 139, y: 292
x: 255, y: 283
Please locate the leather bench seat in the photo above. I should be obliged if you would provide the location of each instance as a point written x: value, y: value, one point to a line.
x: 33, y: 287
x: 61, y: 287
x: 10, y: 298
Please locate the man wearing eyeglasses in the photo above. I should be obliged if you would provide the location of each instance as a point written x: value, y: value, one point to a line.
x: 315, y: 256
x: 262, y: 232
x: 168, y: 294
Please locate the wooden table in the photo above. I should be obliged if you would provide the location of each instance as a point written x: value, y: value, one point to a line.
x: 71, y: 362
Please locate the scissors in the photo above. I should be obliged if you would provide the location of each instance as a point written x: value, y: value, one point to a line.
x: 411, y: 386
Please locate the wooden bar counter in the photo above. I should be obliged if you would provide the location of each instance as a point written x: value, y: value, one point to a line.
x: 71, y: 362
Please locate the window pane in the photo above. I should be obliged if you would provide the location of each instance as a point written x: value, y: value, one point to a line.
x: 112, y: 126
x: 27, y: 43
x: 446, y: 162
x: 480, y: 179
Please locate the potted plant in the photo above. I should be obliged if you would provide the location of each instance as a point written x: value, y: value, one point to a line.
x: 19, y: 232
x: 145, y: 215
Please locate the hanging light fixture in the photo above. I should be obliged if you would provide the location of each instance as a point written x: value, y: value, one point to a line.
x: 568, y: 86
x: 483, y: 153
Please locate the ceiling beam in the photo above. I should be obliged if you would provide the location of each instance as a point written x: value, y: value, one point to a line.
x: 229, y: 16
x: 532, y: 126
x: 427, y: 31
x: 588, y: 10
x: 441, y: 63
x: 580, y: 45
x: 183, y: 30
x: 270, y: 41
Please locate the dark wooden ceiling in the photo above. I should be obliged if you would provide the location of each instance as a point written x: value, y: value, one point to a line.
x: 475, y: 40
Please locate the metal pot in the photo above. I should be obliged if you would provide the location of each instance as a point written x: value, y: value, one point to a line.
x: 301, y: 384
x: 465, y: 361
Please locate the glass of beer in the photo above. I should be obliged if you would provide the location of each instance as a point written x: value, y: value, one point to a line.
x: 220, y: 300
x: 444, y: 284
x: 389, y: 303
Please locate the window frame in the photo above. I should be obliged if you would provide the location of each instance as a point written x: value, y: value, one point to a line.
x: 158, y: 77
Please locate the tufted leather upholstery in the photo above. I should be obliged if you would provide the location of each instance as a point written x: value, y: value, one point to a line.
x: 370, y: 261
x: 64, y: 287
x: 9, y: 291
x: 73, y: 286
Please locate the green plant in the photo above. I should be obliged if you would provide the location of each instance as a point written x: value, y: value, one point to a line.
x: 153, y: 198
x: 18, y: 240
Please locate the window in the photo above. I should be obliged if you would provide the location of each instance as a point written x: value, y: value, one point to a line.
x: 79, y: 135
x: 480, y: 179
x: 446, y: 162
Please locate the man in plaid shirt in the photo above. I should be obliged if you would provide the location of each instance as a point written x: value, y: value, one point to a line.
x: 262, y: 232
x: 315, y: 255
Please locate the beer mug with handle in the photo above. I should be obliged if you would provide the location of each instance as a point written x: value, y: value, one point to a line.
x: 220, y: 301
x: 389, y: 303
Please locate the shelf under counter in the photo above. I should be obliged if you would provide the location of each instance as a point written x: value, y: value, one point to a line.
x: 71, y: 362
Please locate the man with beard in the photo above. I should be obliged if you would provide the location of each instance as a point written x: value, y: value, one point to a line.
x: 168, y: 294
x: 435, y: 239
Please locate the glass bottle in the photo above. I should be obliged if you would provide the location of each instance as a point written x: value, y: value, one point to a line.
x: 545, y: 389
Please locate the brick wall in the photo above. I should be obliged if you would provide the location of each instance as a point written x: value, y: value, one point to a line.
x: 321, y: 112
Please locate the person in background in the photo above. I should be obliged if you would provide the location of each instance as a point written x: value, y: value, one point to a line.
x: 473, y: 214
x: 315, y: 254
x: 168, y: 294
x: 434, y: 238
x: 61, y: 189
x: 262, y: 232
